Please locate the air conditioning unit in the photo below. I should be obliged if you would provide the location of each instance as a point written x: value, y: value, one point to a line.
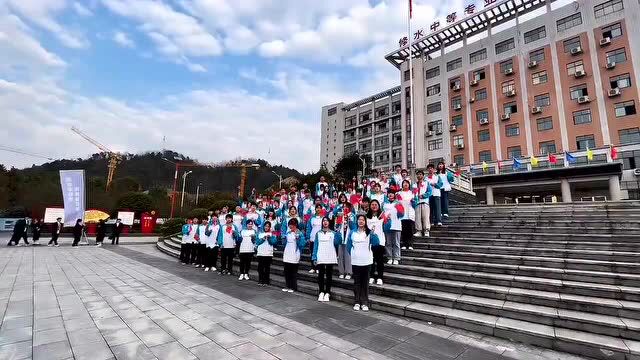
x: 583, y: 99
x: 579, y: 73
x: 457, y: 106
x: 453, y: 128
x: 532, y: 64
x: 456, y: 88
x: 473, y: 82
x: 460, y: 146
x: 484, y: 121
x: 472, y: 100
x: 605, y: 41
x: 610, y: 65
x: 511, y: 93
x: 505, y: 117
x: 636, y: 172
x: 576, y: 50
x: 536, y: 110
x: 508, y: 71
x: 429, y: 133
x: 614, y: 92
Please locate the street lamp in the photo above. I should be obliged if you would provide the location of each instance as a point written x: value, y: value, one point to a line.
x: 184, y: 180
x: 364, y: 165
x: 279, y: 178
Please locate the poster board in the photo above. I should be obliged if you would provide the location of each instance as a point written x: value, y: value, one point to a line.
x: 51, y: 214
x: 126, y: 217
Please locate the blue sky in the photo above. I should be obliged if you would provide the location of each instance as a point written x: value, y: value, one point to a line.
x: 218, y: 79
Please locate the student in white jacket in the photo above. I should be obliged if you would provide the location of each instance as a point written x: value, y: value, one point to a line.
x: 325, y: 256
x: 294, y: 242
x: 359, y: 244
x: 211, y: 242
x: 247, y: 247
x: 265, y: 243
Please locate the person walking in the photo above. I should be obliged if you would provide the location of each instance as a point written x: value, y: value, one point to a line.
x: 117, y: 230
x: 77, y: 232
x: 36, y: 229
x: 359, y: 244
x: 101, y: 232
x: 19, y: 231
x: 324, y: 255
x: 55, y: 233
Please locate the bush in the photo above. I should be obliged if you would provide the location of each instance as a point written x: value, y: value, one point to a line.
x: 134, y: 201
x: 199, y: 213
x: 171, y: 226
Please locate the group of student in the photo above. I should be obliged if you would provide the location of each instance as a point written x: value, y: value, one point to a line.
x: 350, y: 226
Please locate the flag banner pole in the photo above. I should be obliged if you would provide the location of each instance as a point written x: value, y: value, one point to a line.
x: 413, y: 128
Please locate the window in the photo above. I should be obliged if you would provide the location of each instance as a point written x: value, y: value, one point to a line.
x: 396, y: 139
x: 630, y: 159
x: 482, y: 114
x: 612, y: 31
x: 349, y: 135
x: 454, y: 83
x: 382, y: 142
x: 480, y: 94
x: 582, y: 117
x: 535, y: 34
x: 512, y: 130
x: 629, y: 136
x: 542, y: 100
x: 505, y: 46
x: 364, y: 117
x: 433, y: 90
x: 382, y: 111
x: 510, y: 108
x: 434, y: 144
x: 547, y: 147
x: 484, y: 135
x: 484, y: 155
x: 625, y: 108
x: 575, y: 66
x: 365, y: 131
x: 365, y: 146
x: 479, y: 75
x: 395, y: 107
x: 514, y: 152
x: 569, y: 22
x: 506, y: 65
x: 539, y: 78
x: 349, y: 149
x: 456, y: 102
x: 537, y: 55
x: 435, y: 126
x: 458, y: 141
x: 396, y: 155
x: 508, y: 86
x: 578, y: 91
x: 332, y: 111
x: 350, y: 121
x: 457, y: 120
x: 585, y: 142
x: 382, y: 126
x: 620, y: 81
x: 545, y: 124
x: 434, y: 107
x: 458, y: 160
x: 381, y: 158
x: 396, y: 123
x: 616, y: 56
x: 407, y: 75
x: 454, y: 64
x: 608, y: 7
x: 478, y: 56
x: 571, y: 44
x: 433, y: 72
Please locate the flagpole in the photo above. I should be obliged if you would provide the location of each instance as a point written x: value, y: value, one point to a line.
x: 413, y: 140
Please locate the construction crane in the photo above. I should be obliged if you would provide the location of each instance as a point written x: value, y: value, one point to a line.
x: 243, y: 175
x: 22, y: 152
x: 113, y: 157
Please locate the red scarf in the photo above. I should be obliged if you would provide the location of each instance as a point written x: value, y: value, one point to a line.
x: 229, y: 229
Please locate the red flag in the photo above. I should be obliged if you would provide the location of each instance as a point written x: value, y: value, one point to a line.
x: 553, y: 159
x: 614, y: 153
x: 499, y: 164
x: 410, y: 9
x: 458, y: 173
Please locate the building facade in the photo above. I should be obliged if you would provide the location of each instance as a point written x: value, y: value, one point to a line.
x: 371, y: 126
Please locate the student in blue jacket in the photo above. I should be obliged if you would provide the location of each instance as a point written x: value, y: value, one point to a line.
x: 294, y: 242
x: 325, y: 256
x: 360, y: 242
x: 265, y: 243
x: 434, y: 202
x: 228, y: 237
x: 447, y: 179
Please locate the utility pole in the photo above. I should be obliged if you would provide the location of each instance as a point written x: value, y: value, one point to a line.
x: 198, y: 193
x: 279, y: 178
x: 184, y: 181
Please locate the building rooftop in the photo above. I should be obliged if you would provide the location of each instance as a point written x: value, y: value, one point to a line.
x: 380, y: 95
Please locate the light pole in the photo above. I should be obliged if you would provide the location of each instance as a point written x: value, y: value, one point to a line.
x: 198, y: 193
x: 364, y: 165
x: 279, y: 178
x: 184, y: 181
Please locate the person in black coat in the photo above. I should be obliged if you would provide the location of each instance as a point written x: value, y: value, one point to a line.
x: 19, y: 231
x: 55, y: 232
x: 36, y: 229
x: 101, y: 232
x: 77, y: 232
x: 117, y: 230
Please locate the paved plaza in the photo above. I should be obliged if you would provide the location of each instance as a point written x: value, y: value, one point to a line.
x: 131, y: 302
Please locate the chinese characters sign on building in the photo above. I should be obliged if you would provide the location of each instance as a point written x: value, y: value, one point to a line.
x: 72, y: 182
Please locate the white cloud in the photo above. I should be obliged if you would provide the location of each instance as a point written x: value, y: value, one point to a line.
x: 20, y: 48
x: 273, y: 48
x: 123, y: 39
x: 81, y: 9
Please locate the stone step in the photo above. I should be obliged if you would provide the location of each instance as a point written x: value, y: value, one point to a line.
x: 622, y: 225
x: 515, y: 228
x: 591, y: 220
x: 444, y: 231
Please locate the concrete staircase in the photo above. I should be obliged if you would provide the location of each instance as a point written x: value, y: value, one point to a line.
x: 565, y: 277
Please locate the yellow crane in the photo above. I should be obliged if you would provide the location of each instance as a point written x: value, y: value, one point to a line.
x: 113, y: 157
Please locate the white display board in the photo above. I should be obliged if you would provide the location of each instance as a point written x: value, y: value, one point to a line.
x: 126, y: 217
x: 51, y: 214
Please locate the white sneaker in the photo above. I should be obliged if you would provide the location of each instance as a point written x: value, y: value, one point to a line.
x: 439, y: 224
x: 379, y: 282
x: 285, y: 289
x: 445, y: 215
x: 371, y: 281
x: 321, y: 297
x: 56, y: 245
x: 426, y: 234
x: 49, y: 245
x: 417, y: 233
x: 341, y: 276
x: 326, y: 297
x: 396, y: 262
x: 410, y: 247
x: 246, y: 276
x: 241, y: 277
x: 213, y: 269
x: 356, y: 307
x: 347, y: 277
x: 389, y: 262
x: 206, y: 269
x: 403, y: 248
x: 365, y: 308
x: 289, y: 290
x: 311, y: 271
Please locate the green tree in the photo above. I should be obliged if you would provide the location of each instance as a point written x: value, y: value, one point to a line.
x: 124, y: 185
x: 349, y: 165
x: 135, y: 201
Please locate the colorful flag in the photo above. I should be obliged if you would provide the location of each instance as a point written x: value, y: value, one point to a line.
x: 553, y: 159
x: 485, y: 166
x: 516, y: 164
x: 458, y: 173
x: 534, y: 161
x: 589, y: 154
x: 614, y: 153
x: 570, y: 159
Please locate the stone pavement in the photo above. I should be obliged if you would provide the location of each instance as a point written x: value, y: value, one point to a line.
x: 66, y: 239
x: 130, y: 302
